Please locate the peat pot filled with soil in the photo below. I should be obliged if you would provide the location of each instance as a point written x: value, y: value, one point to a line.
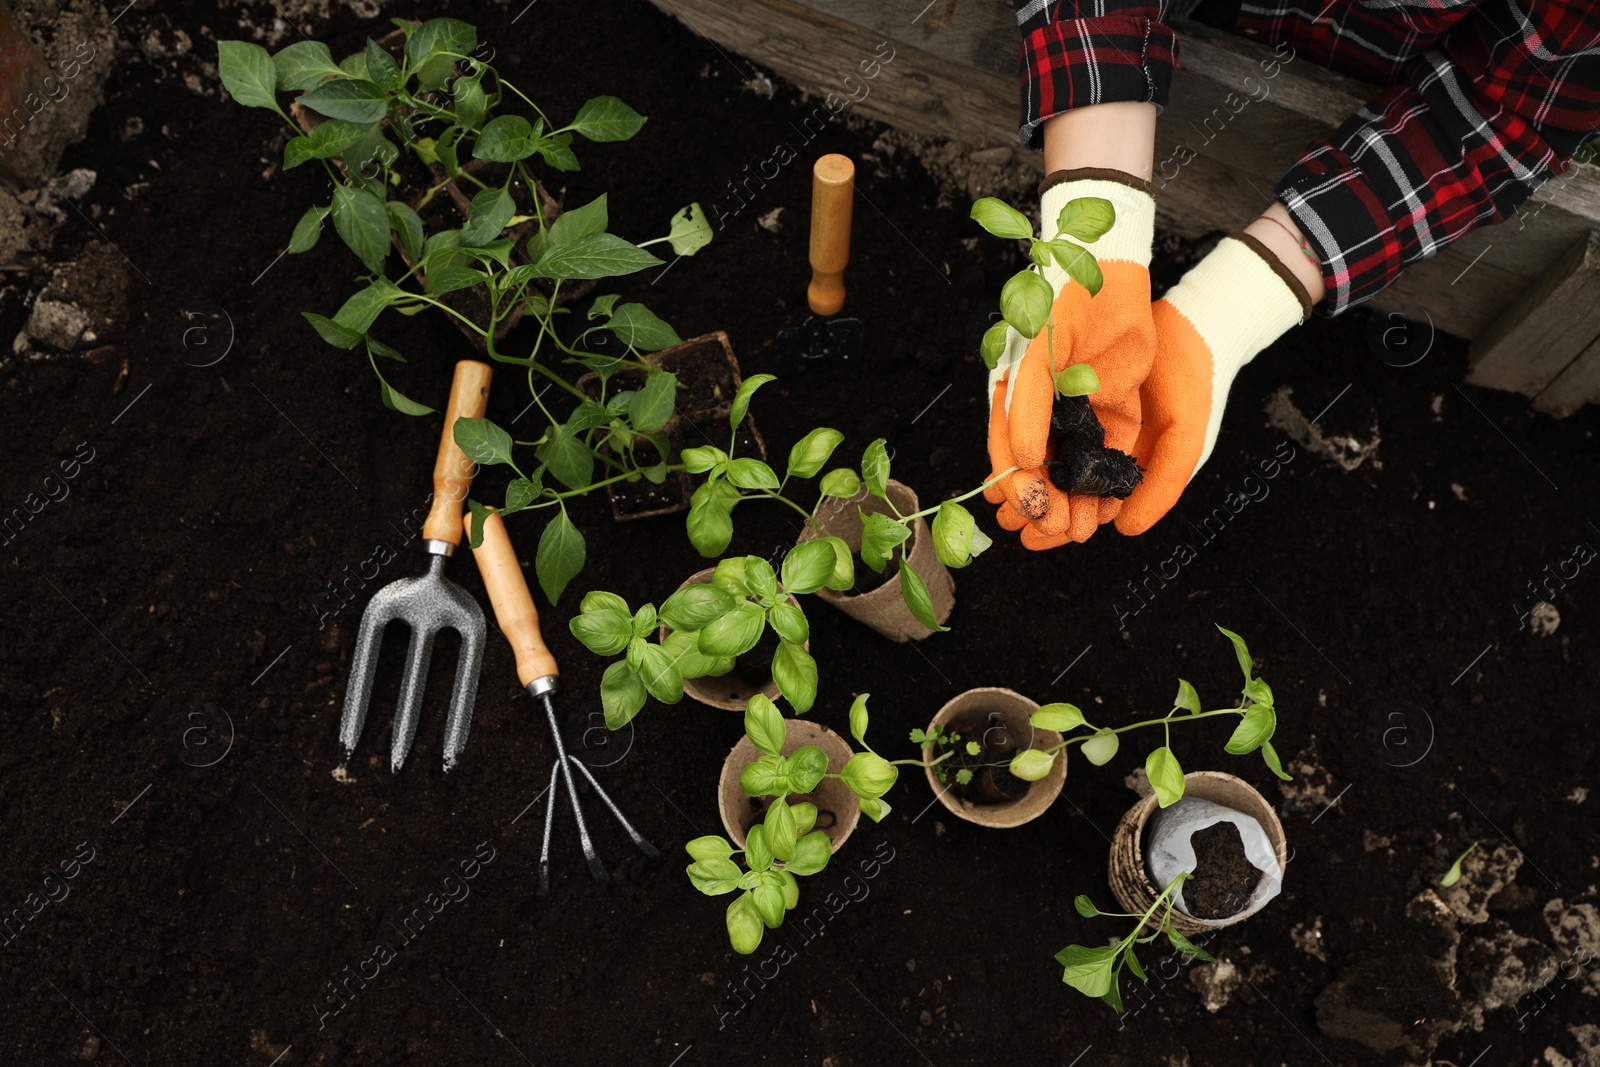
x: 751, y: 673
x: 877, y: 600
x: 838, y: 810
x: 1222, y: 831
x: 996, y: 720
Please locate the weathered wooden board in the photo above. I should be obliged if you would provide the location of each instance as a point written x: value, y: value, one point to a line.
x: 1238, y: 116
x: 1546, y: 329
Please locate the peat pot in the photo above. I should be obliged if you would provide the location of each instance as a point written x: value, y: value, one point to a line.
x: 998, y: 718
x: 732, y: 691
x: 1132, y: 882
x: 883, y: 608
x: 838, y: 810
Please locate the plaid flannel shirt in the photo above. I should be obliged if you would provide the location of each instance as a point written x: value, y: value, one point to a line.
x: 1485, y: 100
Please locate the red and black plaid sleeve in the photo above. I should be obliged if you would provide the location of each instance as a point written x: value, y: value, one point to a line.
x: 1081, y: 52
x: 1494, y: 98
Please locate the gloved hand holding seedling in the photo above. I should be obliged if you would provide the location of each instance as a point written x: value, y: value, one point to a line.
x: 1075, y: 325
x: 1258, y: 720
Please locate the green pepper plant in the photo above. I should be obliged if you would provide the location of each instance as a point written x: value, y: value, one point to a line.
x: 1094, y: 971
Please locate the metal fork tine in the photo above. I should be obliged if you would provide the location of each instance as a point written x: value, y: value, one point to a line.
x: 408, y: 709
x: 466, y: 620
x: 362, y: 669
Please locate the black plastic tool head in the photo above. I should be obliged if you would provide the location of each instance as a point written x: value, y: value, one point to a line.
x: 821, y: 342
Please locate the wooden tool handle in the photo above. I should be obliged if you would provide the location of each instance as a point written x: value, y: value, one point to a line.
x: 453, y: 471
x: 513, y: 604
x: 833, y: 194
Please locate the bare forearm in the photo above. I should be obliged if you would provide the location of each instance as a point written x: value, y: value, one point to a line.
x: 1118, y: 136
x: 1277, y: 230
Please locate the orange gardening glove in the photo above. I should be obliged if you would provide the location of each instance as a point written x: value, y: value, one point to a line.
x: 1112, y: 331
x: 1227, y: 308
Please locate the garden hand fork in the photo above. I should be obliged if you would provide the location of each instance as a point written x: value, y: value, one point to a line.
x: 429, y: 603
x: 536, y: 670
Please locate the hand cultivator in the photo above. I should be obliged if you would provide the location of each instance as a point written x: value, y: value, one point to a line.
x: 536, y: 669
x: 430, y: 603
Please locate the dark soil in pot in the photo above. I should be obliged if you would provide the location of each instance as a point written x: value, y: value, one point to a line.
x: 755, y: 666
x: 992, y: 781
x: 1223, y: 876
x: 200, y: 543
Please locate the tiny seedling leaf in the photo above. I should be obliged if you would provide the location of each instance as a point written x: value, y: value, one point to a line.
x: 1453, y: 875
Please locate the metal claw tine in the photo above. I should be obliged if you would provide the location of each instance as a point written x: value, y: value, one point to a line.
x: 650, y: 851
x: 596, y: 868
x: 408, y: 709
x: 549, y: 828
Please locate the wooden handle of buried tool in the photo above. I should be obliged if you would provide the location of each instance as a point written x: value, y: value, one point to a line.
x: 833, y: 194
x: 513, y: 604
x: 453, y: 471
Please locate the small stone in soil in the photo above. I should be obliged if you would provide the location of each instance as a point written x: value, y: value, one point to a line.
x: 1224, y: 877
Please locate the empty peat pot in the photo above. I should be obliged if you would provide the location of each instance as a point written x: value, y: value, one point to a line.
x: 998, y: 720
x: 1132, y: 882
x: 883, y: 608
x: 751, y: 674
x: 838, y: 810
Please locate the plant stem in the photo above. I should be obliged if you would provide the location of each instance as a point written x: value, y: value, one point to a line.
x: 958, y: 499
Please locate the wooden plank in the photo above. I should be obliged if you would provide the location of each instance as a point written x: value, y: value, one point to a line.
x: 1574, y: 387
x: 1546, y: 327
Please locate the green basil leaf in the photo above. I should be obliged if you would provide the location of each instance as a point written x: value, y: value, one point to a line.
x: 710, y: 522
x: 789, y: 622
x: 869, y: 775
x: 710, y: 848
x: 1102, y: 747
x: 622, y: 694
x: 748, y: 473
x: 1062, y: 718
x: 841, y: 482
x: 807, y: 765
x: 1255, y: 729
x: 811, y: 452
x: 811, y: 854
x: 714, y: 875
x: 741, y: 399
x: 1025, y: 301
x: 734, y: 633
x: 807, y: 567
x: 744, y: 924
x: 763, y: 723
x: 693, y: 606
x: 605, y: 632
x: 1165, y: 775
x: 1088, y: 218
x: 1030, y: 764
x: 875, y: 469
x: 781, y: 836
x: 1001, y: 219
x: 1078, y: 263
x: 795, y: 671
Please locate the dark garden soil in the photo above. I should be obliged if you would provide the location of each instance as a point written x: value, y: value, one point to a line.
x: 202, y: 580
x: 1223, y: 875
x: 992, y: 781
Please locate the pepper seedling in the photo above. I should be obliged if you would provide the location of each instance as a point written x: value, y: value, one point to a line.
x: 1258, y: 721
x: 1453, y: 875
x: 1094, y: 972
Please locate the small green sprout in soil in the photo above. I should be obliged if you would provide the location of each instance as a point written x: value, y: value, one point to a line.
x: 1082, y: 463
x: 1453, y: 875
x: 1258, y: 721
x: 1094, y: 972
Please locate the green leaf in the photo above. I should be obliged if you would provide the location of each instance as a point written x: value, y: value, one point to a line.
x: 248, y: 74
x: 395, y: 400
x: 1062, y: 718
x: 1030, y: 764
x: 691, y: 231
x: 809, y: 453
x: 869, y: 774
x: 993, y: 345
x: 297, y: 151
x: 693, y: 606
x: 577, y: 222
x: 605, y: 632
x: 560, y: 555
x: 597, y: 255
x: 703, y: 458
x: 714, y: 875
x: 781, y: 831
x: 709, y: 848
x: 741, y: 399
x: 471, y: 102
x: 482, y: 441
x: 362, y: 222
x: 1088, y: 970
x: 744, y: 924
x: 795, y: 671
x: 605, y: 118
x: 1187, y: 947
x: 1088, y: 218
x: 844, y: 565
x: 681, y: 646
x: 381, y: 67
x: 637, y: 325
x: 302, y: 65
x: 378, y: 348
x: 807, y: 765
x: 1255, y: 729
x: 811, y: 854
x: 761, y: 579
x: 749, y: 473
x: 1083, y: 904
x: 763, y: 722
x: 431, y: 51
x: 880, y: 536
x: 568, y: 458
x: 1453, y: 875
x: 710, y: 522
x: 652, y: 406
x: 362, y: 309
x: 757, y: 852
x: 1001, y: 219
x: 333, y: 333
x: 805, y: 817
x: 405, y: 222
x: 354, y: 65
x: 1187, y: 698
x: 807, y: 567
x: 841, y: 482
x: 659, y: 672
x: 600, y: 600
x: 622, y: 694
x: 1077, y: 380
x: 1025, y: 302
x: 764, y: 777
x: 351, y: 99
x: 1133, y: 963
x: 1269, y: 756
x: 735, y: 633
x: 956, y: 537
x: 505, y: 139
x: 874, y: 808
x: 915, y: 594
x: 1078, y: 263
x: 491, y: 210
x: 557, y: 151
x: 875, y: 469
x: 769, y: 904
x: 859, y: 718
x: 1240, y: 651
x: 306, y: 234
x: 789, y: 622
x: 1102, y: 747
x: 1166, y: 776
